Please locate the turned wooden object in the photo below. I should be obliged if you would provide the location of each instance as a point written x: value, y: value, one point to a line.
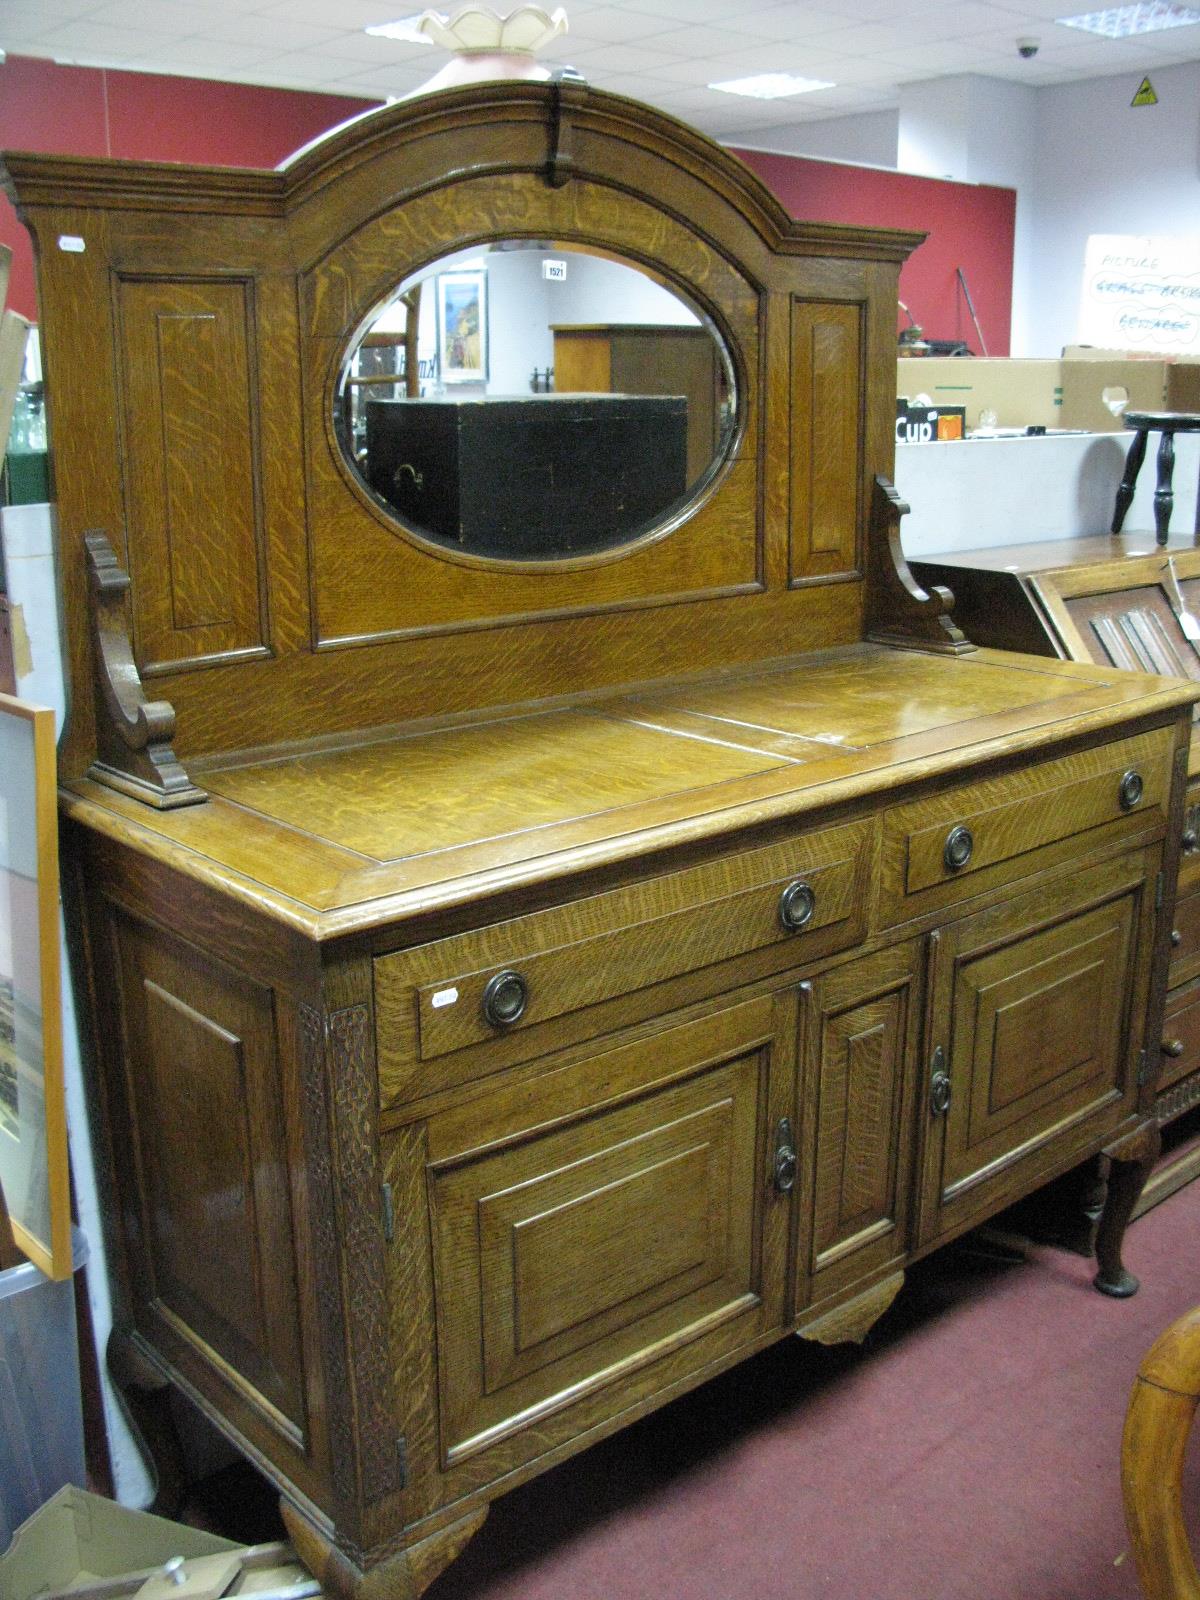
x: 1158, y: 1424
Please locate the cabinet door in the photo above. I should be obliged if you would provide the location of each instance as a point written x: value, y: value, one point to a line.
x: 1037, y: 1021
x: 860, y: 1028
x: 601, y: 1231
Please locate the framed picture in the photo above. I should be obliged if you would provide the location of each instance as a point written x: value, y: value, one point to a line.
x: 33, y: 1118
x: 462, y: 326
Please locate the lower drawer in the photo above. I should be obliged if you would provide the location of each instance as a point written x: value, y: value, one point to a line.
x: 1181, y: 1035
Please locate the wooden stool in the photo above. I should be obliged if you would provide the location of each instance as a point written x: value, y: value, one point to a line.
x: 1168, y: 423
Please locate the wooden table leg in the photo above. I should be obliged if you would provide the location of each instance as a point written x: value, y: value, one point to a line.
x: 1164, y: 496
x: 1133, y: 465
x: 1131, y: 1162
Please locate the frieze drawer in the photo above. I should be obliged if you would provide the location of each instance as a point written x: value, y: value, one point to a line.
x: 1181, y: 1036
x: 947, y: 846
x: 494, y: 986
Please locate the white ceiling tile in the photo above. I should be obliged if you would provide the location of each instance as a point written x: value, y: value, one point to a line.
x: 200, y: 57
x: 172, y: 19
x: 351, y: 15
x: 614, y: 25
x: 79, y: 37
x: 274, y: 34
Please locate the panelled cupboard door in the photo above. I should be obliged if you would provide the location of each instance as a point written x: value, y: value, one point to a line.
x: 860, y: 1027
x: 1036, y: 1028
x: 611, y: 1226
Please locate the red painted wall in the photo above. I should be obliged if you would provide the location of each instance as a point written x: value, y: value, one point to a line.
x: 88, y: 111
x: 969, y: 226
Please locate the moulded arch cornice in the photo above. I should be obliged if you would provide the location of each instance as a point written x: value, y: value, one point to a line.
x: 458, y: 115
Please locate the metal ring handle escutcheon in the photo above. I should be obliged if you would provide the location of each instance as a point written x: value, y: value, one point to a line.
x: 505, y: 999
x: 960, y: 842
x: 796, y: 905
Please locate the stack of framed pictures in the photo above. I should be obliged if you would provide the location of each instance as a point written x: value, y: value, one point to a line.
x: 33, y: 1124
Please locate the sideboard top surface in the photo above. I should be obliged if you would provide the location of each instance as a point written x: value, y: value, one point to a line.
x: 345, y: 834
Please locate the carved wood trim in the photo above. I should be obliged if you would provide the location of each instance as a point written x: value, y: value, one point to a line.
x: 341, y: 1134
x: 329, y: 1296
x: 133, y: 734
x: 851, y: 1322
x: 900, y: 612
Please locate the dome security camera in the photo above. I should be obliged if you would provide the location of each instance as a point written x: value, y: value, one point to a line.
x: 1027, y: 48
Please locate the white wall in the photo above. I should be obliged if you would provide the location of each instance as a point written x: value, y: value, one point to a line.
x: 1104, y: 166
x: 867, y: 141
x: 1081, y: 158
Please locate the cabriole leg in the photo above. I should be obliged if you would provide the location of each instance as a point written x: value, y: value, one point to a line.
x: 1132, y: 1160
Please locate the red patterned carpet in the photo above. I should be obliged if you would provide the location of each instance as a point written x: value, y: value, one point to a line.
x: 969, y: 1451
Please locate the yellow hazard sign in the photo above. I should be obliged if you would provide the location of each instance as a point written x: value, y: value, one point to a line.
x: 1145, y: 95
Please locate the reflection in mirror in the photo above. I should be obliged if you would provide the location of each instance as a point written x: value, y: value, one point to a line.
x: 535, y: 401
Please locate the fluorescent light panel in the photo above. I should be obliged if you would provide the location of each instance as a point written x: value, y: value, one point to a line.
x: 1123, y: 22
x: 771, y: 85
x: 404, y: 28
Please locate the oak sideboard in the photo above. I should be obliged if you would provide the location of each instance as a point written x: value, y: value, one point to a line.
x: 523, y: 984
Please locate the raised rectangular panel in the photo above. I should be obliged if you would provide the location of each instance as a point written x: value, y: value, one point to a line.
x: 216, y: 1258
x: 606, y: 1236
x: 1036, y: 1015
x: 191, y: 477
x: 862, y: 1023
x: 826, y: 437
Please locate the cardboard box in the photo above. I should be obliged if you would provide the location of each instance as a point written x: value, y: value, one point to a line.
x: 1097, y: 393
x: 923, y: 424
x: 80, y: 1542
x: 1020, y: 393
x: 1176, y: 387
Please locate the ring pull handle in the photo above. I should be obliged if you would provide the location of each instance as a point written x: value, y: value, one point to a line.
x: 1131, y: 790
x: 505, y: 999
x: 960, y: 842
x: 796, y: 905
x: 785, y: 1163
x: 407, y: 471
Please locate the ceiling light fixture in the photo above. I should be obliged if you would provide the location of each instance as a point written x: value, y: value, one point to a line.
x: 1123, y: 22
x: 771, y: 85
x: 404, y: 28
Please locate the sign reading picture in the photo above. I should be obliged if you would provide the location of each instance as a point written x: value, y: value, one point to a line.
x: 33, y: 1129
x: 1141, y: 293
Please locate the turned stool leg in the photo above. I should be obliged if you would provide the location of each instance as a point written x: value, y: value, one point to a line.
x: 1132, y: 1161
x: 1133, y: 465
x: 1164, y: 498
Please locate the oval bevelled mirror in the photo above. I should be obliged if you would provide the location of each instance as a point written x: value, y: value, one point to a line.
x: 529, y: 401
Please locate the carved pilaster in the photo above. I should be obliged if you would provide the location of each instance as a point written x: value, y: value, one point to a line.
x: 341, y: 1138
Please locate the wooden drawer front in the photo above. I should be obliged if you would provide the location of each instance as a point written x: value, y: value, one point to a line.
x: 861, y: 1027
x: 1029, y: 818
x: 1189, y: 860
x: 1181, y: 1026
x: 1037, y: 1009
x: 430, y: 1000
x: 1185, y: 953
x: 572, y: 1252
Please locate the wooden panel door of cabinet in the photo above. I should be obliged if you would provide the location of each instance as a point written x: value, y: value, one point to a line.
x: 1036, y: 1027
x: 861, y: 1031
x: 606, y: 1222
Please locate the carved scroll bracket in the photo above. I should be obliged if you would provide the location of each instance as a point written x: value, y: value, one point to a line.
x: 133, y: 734
x: 899, y: 611
x: 568, y: 90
